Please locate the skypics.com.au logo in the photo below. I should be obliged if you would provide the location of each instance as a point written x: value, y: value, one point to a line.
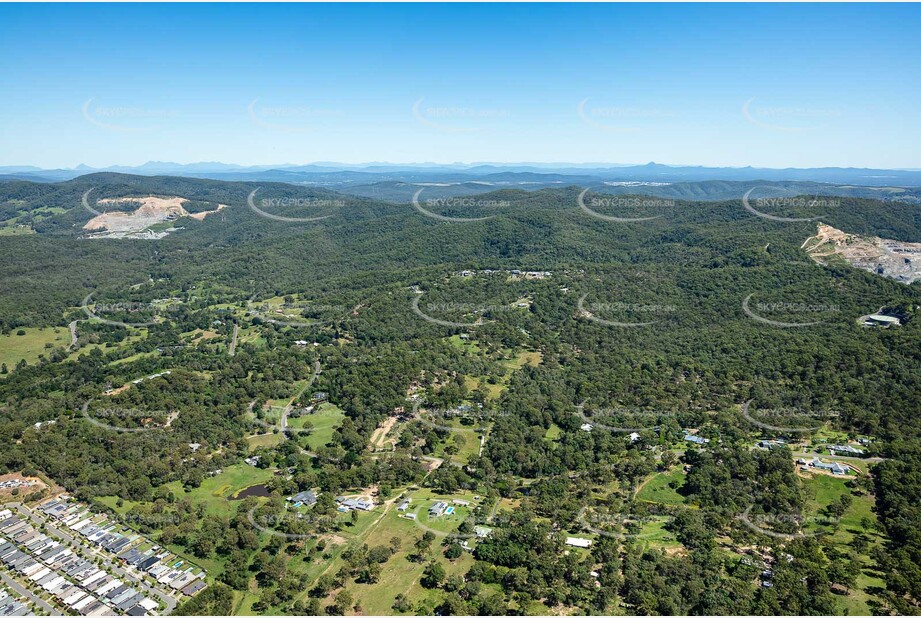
x: 289, y: 118
x: 758, y: 205
x: 117, y: 313
x: 589, y: 311
x: 139, y: 419
x: 456, y: 203
x: 786, y: 119
x: 452, y: 119
x: 787, y: 419
x: 619, y: 119
x: 287, y: 315
x: 762, y: 309
x: 787, y: 526
x: 621, y: 202
x: 126, y: 119
x: 286, y: 202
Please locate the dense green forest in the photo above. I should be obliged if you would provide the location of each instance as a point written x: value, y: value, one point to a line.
x: 540, y: 357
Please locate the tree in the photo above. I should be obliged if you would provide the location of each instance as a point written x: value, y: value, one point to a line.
x: 433, y: 575
x: 453, y: 551
x: 402, y: 604
x: 342, y: 602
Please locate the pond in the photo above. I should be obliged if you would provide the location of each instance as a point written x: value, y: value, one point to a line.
x: 259, y: 491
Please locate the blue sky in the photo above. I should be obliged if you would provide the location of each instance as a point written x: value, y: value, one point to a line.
x: 801, y: 85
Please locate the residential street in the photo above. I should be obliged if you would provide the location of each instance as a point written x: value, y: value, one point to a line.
x: 111, y: 562
x: 22, y: 590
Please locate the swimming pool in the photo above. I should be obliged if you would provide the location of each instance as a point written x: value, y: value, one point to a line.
x: 449, y: 510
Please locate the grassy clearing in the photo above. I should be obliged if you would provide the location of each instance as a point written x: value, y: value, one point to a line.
x: 659, y: 488
x: 511, y: 365
x: 324, y: 420
x: 133, y: 357
x: 215, y: 490
x: 523, y: 358
x: 654, y: 535
x: 14, y: 348
x: 463, y: 344
x: 822, y: 490
x: 264, y: 440
x: 400, y: 575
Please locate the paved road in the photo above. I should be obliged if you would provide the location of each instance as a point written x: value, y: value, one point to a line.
x: 844, y: 457
x: 112, y: 565
x: 73, y: 333
x: 284, y: 415
x: 25, y: 592
x: 233, y: 342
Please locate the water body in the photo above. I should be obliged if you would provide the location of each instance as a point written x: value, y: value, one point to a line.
x: 253, y: 490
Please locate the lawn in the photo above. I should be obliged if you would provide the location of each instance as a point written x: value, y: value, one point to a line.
x: 215, y: 490
x: 324, y: 420
x: 821, y: 490
x: 654, y: 534
x: 524, y: 358
x: 133, y: 357
x: 14, y: 348
x: 658, y: 488
x: 513, y: 364
x: 553, y: 432
x: 264, y: 440
x: 399, y: 574
x: 461, y: 344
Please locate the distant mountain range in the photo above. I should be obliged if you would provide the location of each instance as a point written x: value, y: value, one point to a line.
x: 332, y: 174
x: 400, y: 183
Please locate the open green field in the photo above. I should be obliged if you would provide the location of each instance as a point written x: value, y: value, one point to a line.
x: 525, y: 357
x: 215, y: 490
x: 324, y: 420
x: 264, y: 440
x: 654, y: 534
x: 133, y: 357
x: 658, y: 488
x: 461, y: 344
x: 821, y: 490
x: 14, y: 348
x: 399, y: 574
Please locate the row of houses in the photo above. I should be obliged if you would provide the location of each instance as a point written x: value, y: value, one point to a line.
x: 74, y: 581
x: 15, y: 483
x: 10, y: 606
x: 527, y: 274
x: 105, y: 535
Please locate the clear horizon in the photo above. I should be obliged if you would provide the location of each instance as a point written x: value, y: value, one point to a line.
x: 765, y: 86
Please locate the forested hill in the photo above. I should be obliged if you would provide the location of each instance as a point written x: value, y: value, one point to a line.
x: 53, y: 267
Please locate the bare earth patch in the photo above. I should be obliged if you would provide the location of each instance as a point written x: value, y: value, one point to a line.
x: 891, y: 258
x: 380, y: 434
x: 152, y: 210
x: 25, y: 484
